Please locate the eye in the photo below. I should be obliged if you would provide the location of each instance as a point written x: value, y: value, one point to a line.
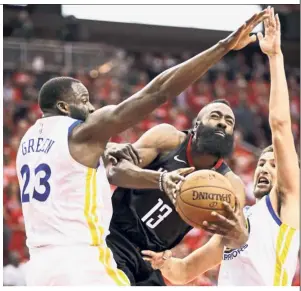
x: 214, y: 116
x: 273, y: 165
x: 230, y: 121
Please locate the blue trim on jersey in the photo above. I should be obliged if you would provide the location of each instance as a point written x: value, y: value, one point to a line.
x: 74, y: 124
x: 271, y: 210
x: 71, y: 127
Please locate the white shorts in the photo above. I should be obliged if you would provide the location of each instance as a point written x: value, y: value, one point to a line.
x: 73, y: 266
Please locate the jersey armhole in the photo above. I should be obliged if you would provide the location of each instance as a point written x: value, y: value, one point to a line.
x: 73, y: 125
x: 272, y: 211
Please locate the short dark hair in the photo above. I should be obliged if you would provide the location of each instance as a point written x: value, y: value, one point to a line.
x: 267, y: 150
x: 270, y: 148
x: 54, y: 90
x: 224, y: 101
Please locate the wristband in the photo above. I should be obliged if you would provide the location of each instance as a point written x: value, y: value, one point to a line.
x: 161, y: 181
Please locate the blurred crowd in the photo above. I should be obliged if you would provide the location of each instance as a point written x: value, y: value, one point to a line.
x: 241, y: 79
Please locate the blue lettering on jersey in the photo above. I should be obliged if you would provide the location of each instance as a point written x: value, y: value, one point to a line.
x: 37, y: 145
x: 230, y: 254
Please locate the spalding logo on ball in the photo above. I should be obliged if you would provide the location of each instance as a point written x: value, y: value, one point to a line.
x: 201, y: 193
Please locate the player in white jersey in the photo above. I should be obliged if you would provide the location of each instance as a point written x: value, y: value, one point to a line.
x: 269, y: 258
x: 65, y: 194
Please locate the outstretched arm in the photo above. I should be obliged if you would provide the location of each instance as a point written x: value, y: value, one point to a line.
x: 110, y: 120
x: 279, y: 116
x: 182, y: 271
x: 229, y: 232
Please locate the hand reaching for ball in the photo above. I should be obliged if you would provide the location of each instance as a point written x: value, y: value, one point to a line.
x: 232, y: 229
x: 172, y: 182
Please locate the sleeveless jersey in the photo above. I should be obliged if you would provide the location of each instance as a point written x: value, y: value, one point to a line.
x: 63, y: 202
x: 146, y: 217
x: 269, y: 258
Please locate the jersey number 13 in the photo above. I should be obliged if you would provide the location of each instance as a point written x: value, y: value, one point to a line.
x: 164, y: 209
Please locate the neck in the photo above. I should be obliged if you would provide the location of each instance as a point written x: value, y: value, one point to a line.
x: 50, y: 113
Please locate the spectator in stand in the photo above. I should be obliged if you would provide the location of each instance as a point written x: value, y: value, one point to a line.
x: 233, y: 80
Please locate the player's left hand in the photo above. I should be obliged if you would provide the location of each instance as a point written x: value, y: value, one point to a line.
x: 122, y: 151
x: 241, y: 37
x: 172, y: 182
x: 157, y: 260
x: 270, y: 44
x: 233, y: 229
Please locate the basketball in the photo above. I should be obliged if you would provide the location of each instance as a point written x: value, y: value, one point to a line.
x: 201, y: 193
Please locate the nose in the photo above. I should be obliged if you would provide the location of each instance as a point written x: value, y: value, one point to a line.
x: 91, y: 108
x: 222, y: 124
x: 264, y: 170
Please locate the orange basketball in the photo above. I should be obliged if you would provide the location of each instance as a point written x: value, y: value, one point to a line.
x: 201, y: 193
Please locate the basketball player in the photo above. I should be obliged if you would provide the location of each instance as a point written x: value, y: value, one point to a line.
x: 143, y: 216
x: 65, y: 193
x: 270, y: 255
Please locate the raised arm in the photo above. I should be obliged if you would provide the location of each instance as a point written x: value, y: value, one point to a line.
x: 110, y: 120
x: 279, y: 111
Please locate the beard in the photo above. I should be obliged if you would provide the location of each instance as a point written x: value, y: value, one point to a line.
x: 207, y: 142
x: 77, y: 113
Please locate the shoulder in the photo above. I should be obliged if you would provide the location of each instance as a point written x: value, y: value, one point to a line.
x: 163, y: 136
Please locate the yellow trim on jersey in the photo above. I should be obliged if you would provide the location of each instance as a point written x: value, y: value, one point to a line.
x: 284, y: 240
x: 97, y: 231
x: 89, y: 207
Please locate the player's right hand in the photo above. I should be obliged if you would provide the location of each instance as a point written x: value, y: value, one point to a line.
x: 232, y: 228
x: 172, y: 182
x: 157, y: 260
x: 122, y: 151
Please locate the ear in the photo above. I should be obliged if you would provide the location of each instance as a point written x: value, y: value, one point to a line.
x: 63, y: 107
x: 195, y: 126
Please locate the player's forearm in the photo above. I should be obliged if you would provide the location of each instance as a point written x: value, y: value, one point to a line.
x: 279, y: 109
x: 168, y: 84
x: 174, y: 270
x: 176, y: 79
x: 182, y: 271
x: 127, y: 175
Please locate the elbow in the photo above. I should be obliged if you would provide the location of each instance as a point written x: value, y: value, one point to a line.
x: 277, y: 122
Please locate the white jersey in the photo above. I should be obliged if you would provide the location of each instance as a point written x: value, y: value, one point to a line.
x: 269, y: 258
x: 64, y: 203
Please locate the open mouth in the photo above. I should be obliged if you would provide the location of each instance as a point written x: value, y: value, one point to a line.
x: 262, y: 181
x: 220, y: 132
